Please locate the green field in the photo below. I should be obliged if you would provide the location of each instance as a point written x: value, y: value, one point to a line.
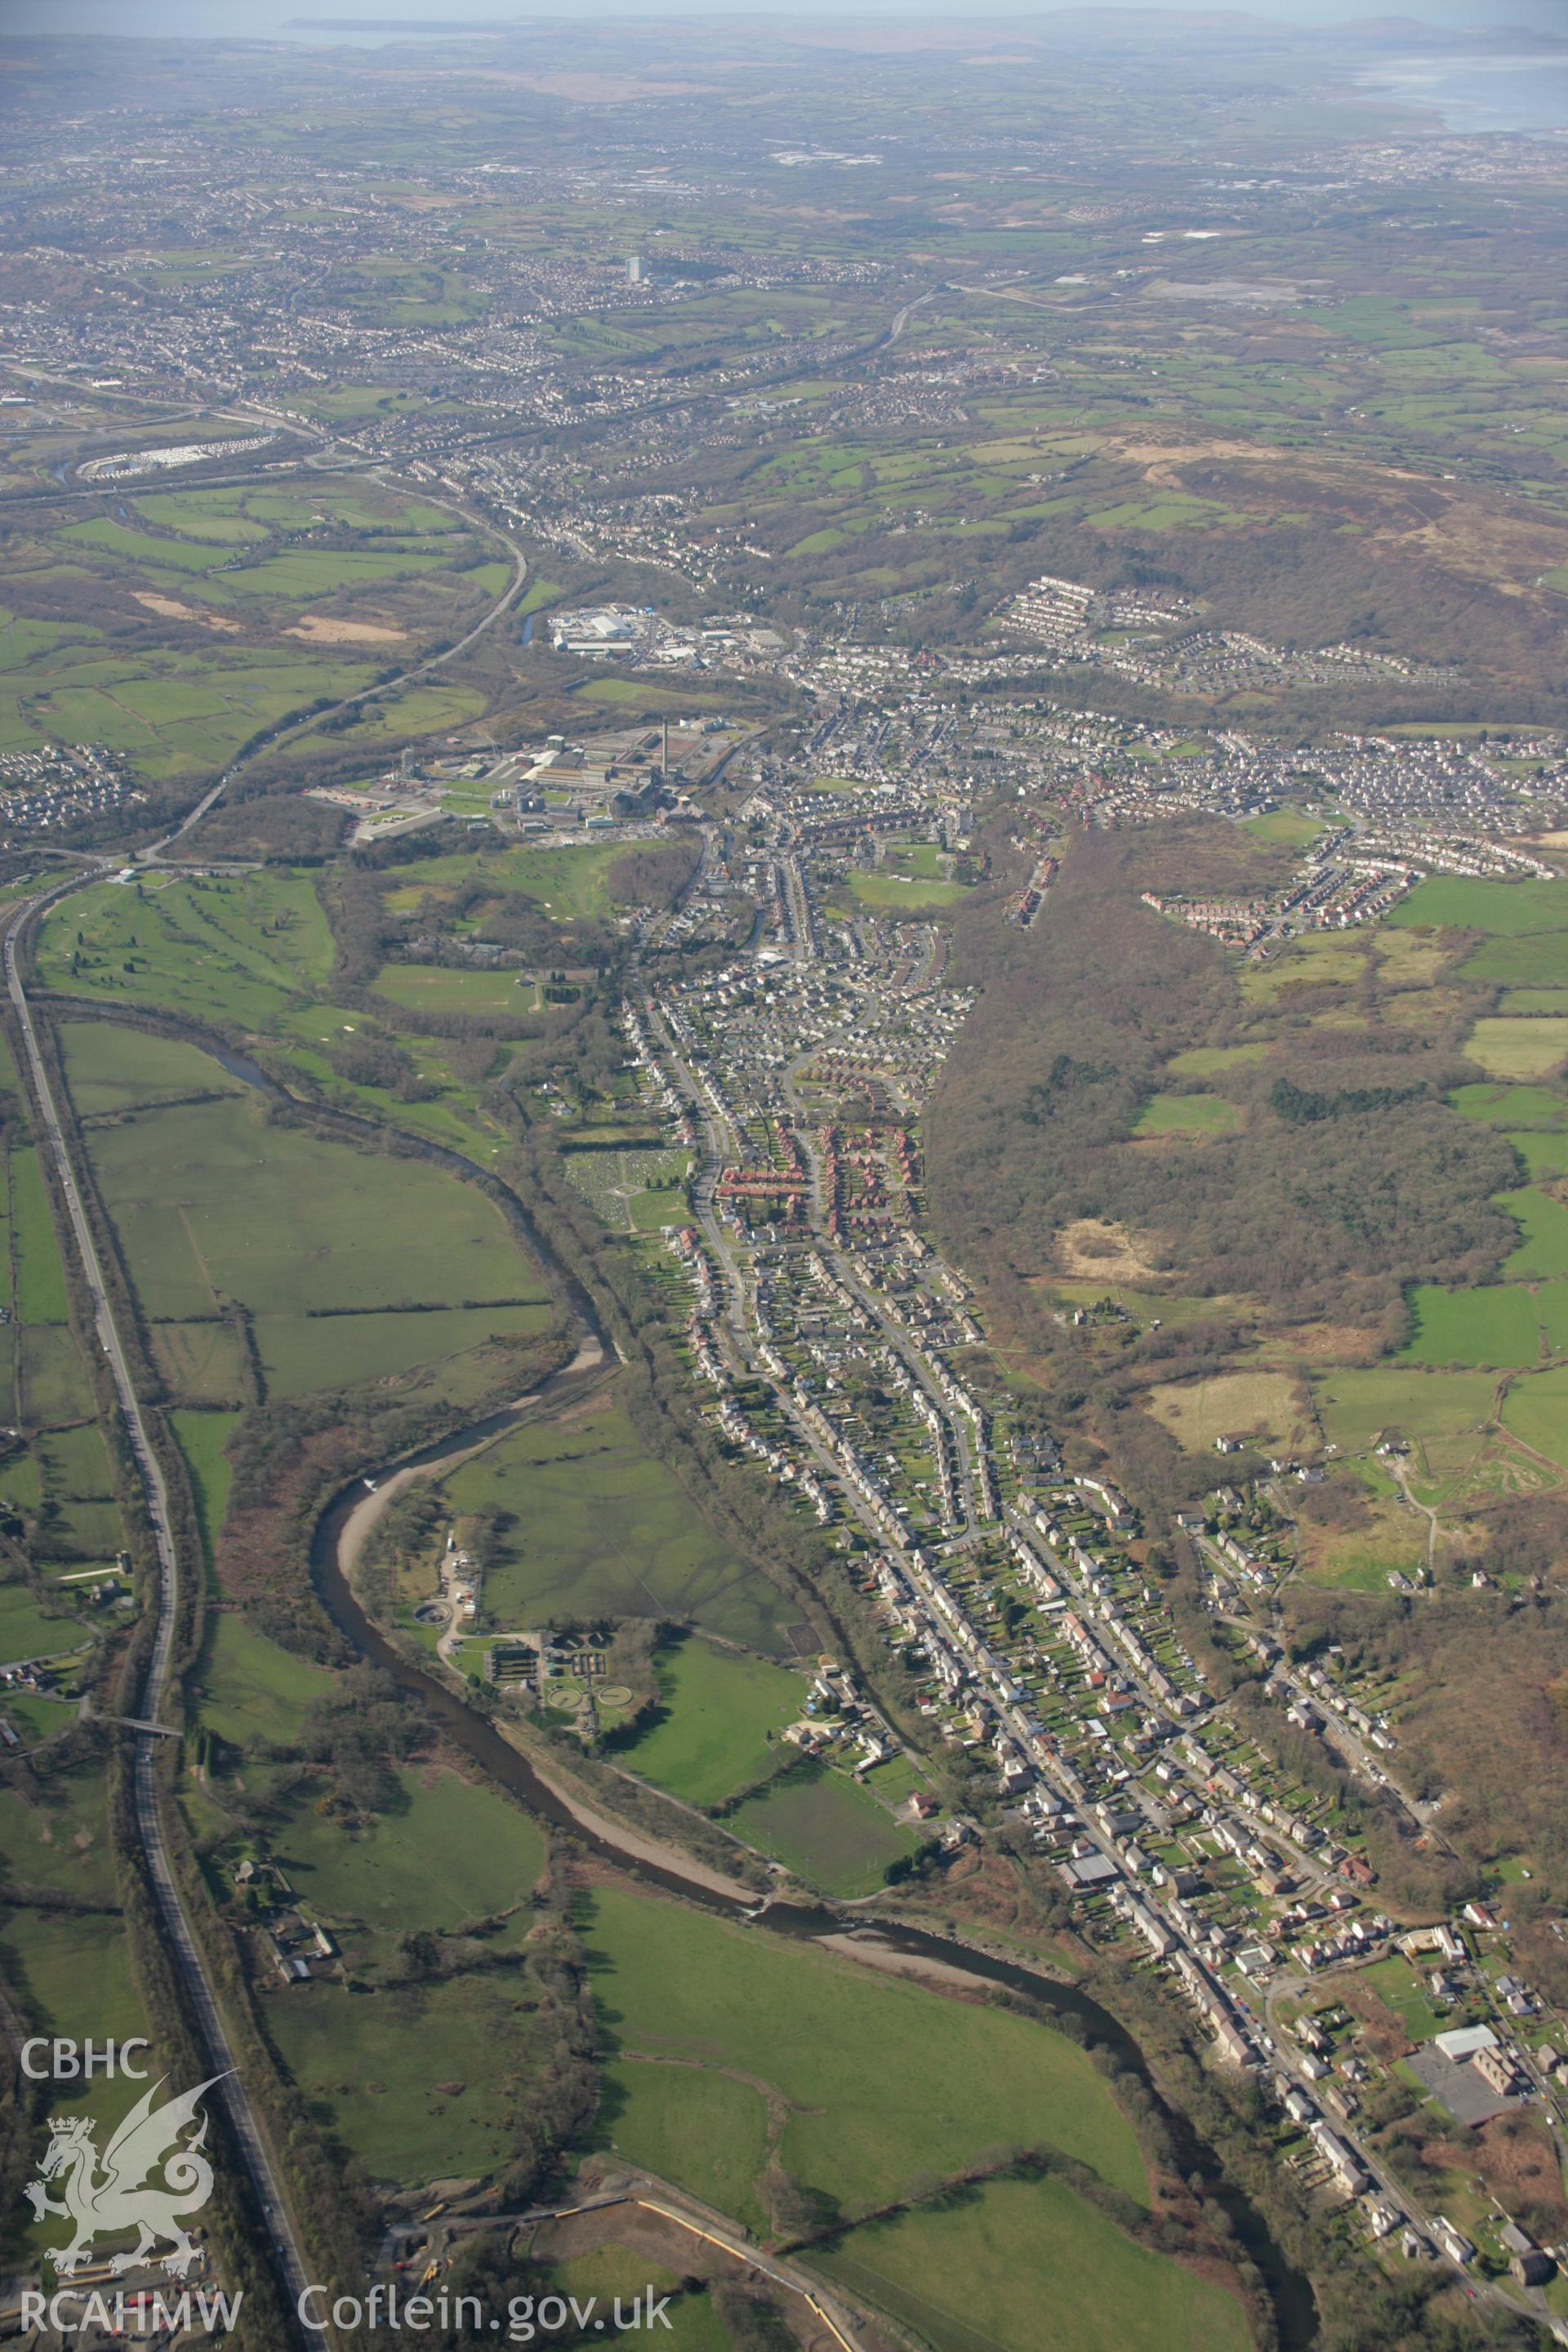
x: 74, y: 1462
x: 593, y: 1525
x: 1505, y: 910
x: 55, y: 1832
x: 73, y: 1973
x: 68, y: 1973
x: 1285, y: 825
x: 883, y: 2079
x: 40, y: 1277
x: 721, y: 1706
x: 52, y: 1384
x: 77, y: 1488
x: 1396, y: 1982
x: 174, y: 712
x: 1544, y: 1222
x: 111, y: 1069
x: 1187, y: 1115
x: 1536, y: 1410
x: 447, y: 1854
x: 570, y: 884
x: 1543, y: 1155
x: 1534, y: 1001
x: 653, y: 1210
x: 231, y: 950
x: 538, y: 593
x: 1496, y: 1325
x: 1356, y: 1407
x: 1532, y: 963
x: 201, y: 1438
x: 826, y: 1828
x: 1535, y: 1107
x: 1324, y: 961
x: 27, y: 1633
x: 252, y: 1689
x: 418, y: 2083
x: 215, y: 1202
x: 618, y: 2271
x: 301, y: 1353
x: 1529, y: 1047
x: 200, y: 517
x: 202, y: 1362
x: 434, y: 988
x: 1031, y: 2266
x: 690, y: 2124
x: 913, y: 897
x: 300, y: 577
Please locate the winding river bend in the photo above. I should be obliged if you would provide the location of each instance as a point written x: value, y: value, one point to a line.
x: 332, y: 1551
x: 1290, y: 2291
x: 333, y: 1544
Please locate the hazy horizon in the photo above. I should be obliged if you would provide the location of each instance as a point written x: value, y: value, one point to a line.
x: 390, y: 19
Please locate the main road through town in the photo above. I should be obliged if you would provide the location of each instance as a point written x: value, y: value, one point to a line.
x: 195, y: 1985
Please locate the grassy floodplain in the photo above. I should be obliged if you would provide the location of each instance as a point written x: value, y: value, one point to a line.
x: 720, y: 1709
x: 446, y: 1854
x: 420, y: 2079
x: 354, y: 1265
x: 65, y: 1968
x: 827, y: 1828
x: 263, y: 1214
x: 202, y: 1438
x: 251, y: 1688
x: 973, y: 2274
x: 419, y: 2083
x: 876, y: 2084
x: 883, y: 2079
x: 111, y: 1070
x: 592, y: 1524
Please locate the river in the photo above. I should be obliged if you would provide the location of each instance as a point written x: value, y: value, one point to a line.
x: 1475, y: 92
x: 332, y: 1547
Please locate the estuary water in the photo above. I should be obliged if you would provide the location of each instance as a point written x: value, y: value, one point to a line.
x: 1475, y: 91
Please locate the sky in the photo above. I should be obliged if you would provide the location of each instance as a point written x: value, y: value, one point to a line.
x: 270, y: 19
x: 274, y: 20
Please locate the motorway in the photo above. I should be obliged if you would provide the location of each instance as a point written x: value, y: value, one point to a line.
x: 195, y: 1985
x: 201, y: 2001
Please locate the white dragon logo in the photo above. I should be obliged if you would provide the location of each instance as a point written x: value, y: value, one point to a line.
x: 103, y: 2194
